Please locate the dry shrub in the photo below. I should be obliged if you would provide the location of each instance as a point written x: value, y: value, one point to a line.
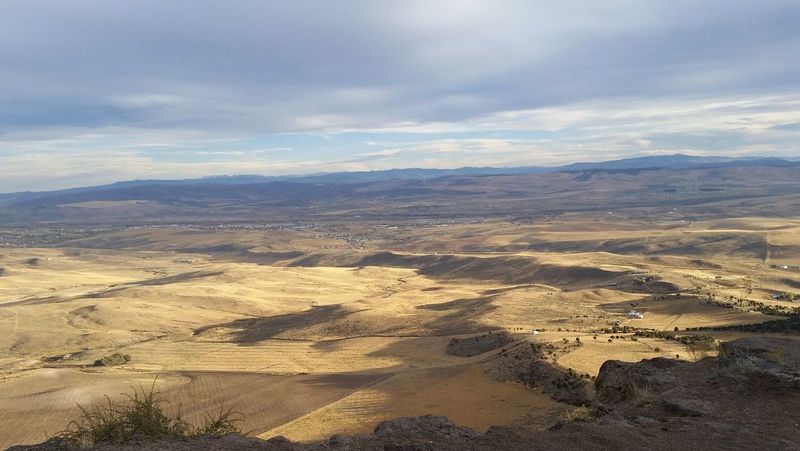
x: 141, y: 417
x: 578, y: 414
x: 635, y: 393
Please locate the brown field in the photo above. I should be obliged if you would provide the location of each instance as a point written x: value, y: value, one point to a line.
x: 307, y: 334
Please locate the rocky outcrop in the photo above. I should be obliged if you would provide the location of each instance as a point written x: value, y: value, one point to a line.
x: 470, y: 346
x: 747, y: 398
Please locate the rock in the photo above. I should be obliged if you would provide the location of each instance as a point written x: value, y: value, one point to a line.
x: 340, y: 440
x: 618, y: 381
x: 684, y: 407
x: 54, y: 444
x: 278, y: 441
x: 424, y: 425
x: 656, y: 404
x: 646, y: 421
x: 773, y: 379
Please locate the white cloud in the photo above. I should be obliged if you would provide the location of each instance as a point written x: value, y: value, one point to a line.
x: 367, y: 85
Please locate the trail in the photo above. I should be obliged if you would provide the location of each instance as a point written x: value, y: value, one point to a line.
x: 16, y: 322
x: 15, y: 328
x: 767, y: 251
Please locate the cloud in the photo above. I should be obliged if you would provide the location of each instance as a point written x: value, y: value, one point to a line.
x: 203, y: 84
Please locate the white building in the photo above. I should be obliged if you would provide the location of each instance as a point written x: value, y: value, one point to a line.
x: 633, y: 314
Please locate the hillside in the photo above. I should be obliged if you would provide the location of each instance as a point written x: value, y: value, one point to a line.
x: 696, y: 189
x: 747, y: 398
x: 676, y: 161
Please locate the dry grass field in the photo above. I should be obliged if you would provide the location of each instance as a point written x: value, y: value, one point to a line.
x: 307, y: 334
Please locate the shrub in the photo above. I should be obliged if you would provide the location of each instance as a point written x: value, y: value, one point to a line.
x: 655, y: 334
x: 116, y: 358
x: 579, y: 414
x: 142, y: 417
x: 638, y: 394
x: 699, y: 342
x: 789, y: 325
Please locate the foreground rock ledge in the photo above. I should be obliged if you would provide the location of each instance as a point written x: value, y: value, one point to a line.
x: 748, y: 398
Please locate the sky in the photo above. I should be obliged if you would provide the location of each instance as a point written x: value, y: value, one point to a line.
x: 96, y: 91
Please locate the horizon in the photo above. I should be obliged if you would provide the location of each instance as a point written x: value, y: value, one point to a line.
x: 455, y: 168
x: 92, y: 94
x: 460, y: 224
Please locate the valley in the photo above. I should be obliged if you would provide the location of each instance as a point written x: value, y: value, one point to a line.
x: 314, y: 329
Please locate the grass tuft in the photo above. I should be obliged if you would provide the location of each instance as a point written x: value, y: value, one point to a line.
x: 637, y: 394
x: 579, y: 414
x: 142, y: 416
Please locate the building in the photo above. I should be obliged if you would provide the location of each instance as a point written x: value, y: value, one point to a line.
x: 633, y: 314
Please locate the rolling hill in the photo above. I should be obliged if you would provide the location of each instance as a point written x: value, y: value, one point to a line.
x: 672, y: 181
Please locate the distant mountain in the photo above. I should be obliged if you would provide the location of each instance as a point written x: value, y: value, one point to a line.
x: 677, y: 161
x: 413, y: 193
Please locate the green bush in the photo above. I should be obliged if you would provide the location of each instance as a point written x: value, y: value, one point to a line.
x: 695, y: 343
x: 114, y: 359
x: 789, y: 325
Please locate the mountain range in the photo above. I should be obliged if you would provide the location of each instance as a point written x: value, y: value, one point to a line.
x: 676, y: 161
x: 665, y: 181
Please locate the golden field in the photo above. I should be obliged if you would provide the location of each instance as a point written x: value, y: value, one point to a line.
x: 308, y: 335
